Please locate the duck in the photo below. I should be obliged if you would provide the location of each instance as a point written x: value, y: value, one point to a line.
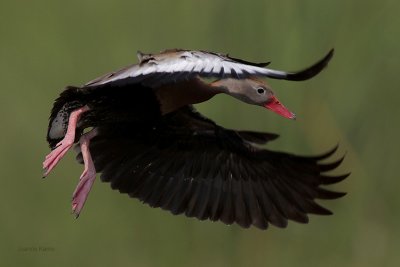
x: 137, y: 127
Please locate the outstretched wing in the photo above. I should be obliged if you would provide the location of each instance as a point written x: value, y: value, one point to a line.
x: 187, y: 164
x: 175, y: 65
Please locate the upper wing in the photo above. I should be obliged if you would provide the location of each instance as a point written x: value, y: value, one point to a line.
x: 174, y: 65
x: 187, y: 164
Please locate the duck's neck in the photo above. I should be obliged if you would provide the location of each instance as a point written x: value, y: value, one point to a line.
x: 174, y: 96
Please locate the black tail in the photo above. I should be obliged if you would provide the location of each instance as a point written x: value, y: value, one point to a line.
x: 69, y: 100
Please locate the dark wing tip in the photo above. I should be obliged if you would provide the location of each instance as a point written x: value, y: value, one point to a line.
x: 330, y: 166
x: 318, y: 210
x: 325, y: 155
x: 238, y: 60
x: 327, y: 180
x: 312, y: 70
x: 328, y: 194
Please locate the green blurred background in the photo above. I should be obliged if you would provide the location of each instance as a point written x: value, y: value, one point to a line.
x: 45, y: 45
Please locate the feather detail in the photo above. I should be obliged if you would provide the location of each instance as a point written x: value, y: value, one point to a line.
x: 204, y: 64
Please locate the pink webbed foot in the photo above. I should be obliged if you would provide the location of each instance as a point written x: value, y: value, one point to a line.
x: 82, y: 190
x: 88, y: 176
x: 56, y: 155
x: 62, y: 147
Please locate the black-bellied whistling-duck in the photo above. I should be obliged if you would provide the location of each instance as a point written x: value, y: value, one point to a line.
x: 148, y: 141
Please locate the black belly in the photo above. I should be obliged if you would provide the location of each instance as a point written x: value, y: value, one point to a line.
x: 133, y: 106
x: 118, y: 105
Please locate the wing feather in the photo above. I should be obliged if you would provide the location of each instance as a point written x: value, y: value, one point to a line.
x: 203, y: 64
x: 189, y: 165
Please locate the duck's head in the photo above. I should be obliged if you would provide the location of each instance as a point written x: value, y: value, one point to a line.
x: 253, y: 91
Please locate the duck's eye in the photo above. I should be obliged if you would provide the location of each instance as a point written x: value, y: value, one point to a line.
x: 260, y: 91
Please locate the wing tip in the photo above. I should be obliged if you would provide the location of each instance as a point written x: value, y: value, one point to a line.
x: 328, y: 180
x: 311, y: 71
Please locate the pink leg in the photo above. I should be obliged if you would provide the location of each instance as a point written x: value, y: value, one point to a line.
x: 62, y: 147
x: 88, y: 176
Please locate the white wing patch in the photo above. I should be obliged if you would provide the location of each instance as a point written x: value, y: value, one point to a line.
x: 193, y: 62
x: 181, y: 64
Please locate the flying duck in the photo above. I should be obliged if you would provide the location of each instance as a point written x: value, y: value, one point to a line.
x: 138, y: 128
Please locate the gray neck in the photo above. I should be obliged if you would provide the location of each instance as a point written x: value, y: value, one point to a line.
x: 175, y: 96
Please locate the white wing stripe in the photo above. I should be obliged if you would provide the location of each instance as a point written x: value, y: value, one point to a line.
x: 227, y: 69
x: 200, y: 65
x: 197, y: 65
x: 236, y: 68
x: 209, y: 66
x: 190, y: 61
x: 148, y: 69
